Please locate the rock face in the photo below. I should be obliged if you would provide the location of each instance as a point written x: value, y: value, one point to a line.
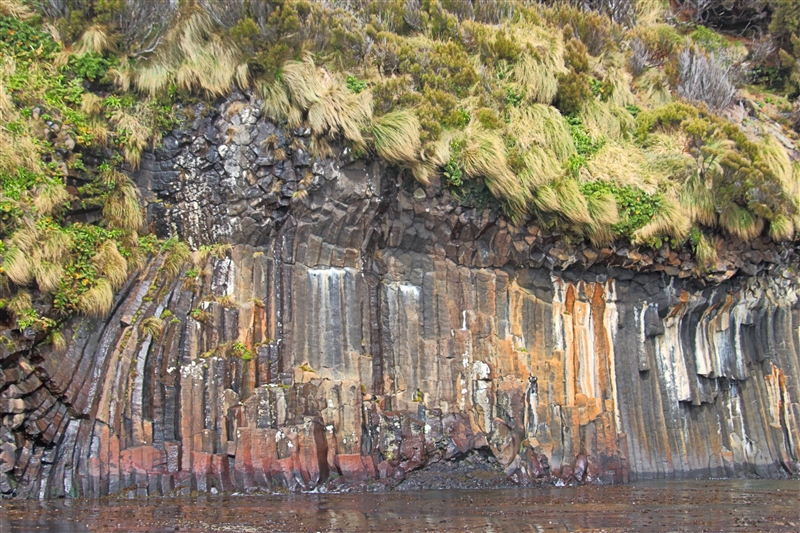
x: 360, y: 328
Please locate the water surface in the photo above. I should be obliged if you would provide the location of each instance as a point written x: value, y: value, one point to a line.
x: 723, y: 506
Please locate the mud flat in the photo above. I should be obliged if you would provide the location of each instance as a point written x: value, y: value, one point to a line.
x: 724, y: 506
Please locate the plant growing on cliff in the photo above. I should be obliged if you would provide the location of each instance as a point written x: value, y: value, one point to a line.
x: 200, y: 315
x: 240, y: 350
x: 47, y: 193
x: 434, y: 89
x: 152, y: 326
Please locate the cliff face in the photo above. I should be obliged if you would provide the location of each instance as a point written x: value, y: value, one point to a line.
x: 367, y: 328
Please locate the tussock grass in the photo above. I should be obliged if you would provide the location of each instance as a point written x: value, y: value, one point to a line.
x: 98, y: 299
x: 339, y: 112
x: 545, y: 198
x: 739, y: 222
x: 697, y: 199
x: 18, y: 151
x: 91, y: 104
x: 670, y: 220
x: 484, y: 156
x: 781, y: 228
x: 541, y: 167
x: 54, y: 244
x: 48, y: 275
x: 152, y: 326
x: 7, y: 109
x: 706, y: 252
x: 50, y: 197
x: 136, y: 133
x: 537, y: 71
x: 177, y: 253
x: 57, y: 341
x: 18, y: 266
x: 543, y: 126
x: 305, y: 83
x: 572, y: 203
x: 37, y: 255
x: 111, y: 264
x: 668, y: 158
x: 276, y: 100
x: 603, y: 212
x: 20, y: 302
x: 654, y: 88
x: 396, y: 137
x: 621, y: 94
x: 16, y: 9
x: 193, y: 55
x: 95, y: 39
x: 622, y: 164
x: 778, y: 161
x: 123, y: 204
x: 308, y: 93
x: 602, y: 119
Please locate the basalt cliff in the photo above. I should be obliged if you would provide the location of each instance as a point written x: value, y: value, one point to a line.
x: 369, y: 328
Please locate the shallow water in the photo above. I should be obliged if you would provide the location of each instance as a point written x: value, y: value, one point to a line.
x: 724, y: 506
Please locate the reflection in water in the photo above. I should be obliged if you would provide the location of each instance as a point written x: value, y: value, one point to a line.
x: 724, y: 506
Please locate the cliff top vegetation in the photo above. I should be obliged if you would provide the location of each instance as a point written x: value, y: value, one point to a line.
x: 606, y: 120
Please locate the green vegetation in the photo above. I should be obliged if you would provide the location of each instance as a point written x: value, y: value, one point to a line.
x: 52, y: 122
x: 604, y: 125
x: 240, y: 350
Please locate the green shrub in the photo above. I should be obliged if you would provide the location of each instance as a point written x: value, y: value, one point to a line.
x: 785, y: 20
x: 573, y: 91
x: 708, y: 39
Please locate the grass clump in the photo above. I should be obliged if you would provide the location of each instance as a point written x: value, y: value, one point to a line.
x: 604, y: 124
x: 52, y: 122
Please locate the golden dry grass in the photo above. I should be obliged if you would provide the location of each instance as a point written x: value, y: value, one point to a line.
x: 193, y: 55
x: 670, y: 220
x: 396, y: 137
x: 98, y: 299
x: 123, y: 205
x: 622, y: 164
x: 95, y: 39
x: 50, y: 197
x: 537, y: 72
x: 16, y: 9
x: 484, y: 155
x: 543, y: 126
x: 111, y: 264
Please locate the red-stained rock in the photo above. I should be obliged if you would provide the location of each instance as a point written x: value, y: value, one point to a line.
x: 580, y: 469
x: 283, y: 473
x: 201, y: 468
x: 504, y: 441
x: 385, y: 470
x: 460, y: 435
x: 412, y: 447
x: 313, y: 454
x: 534, y: 467
x: 220, y: 472
x: 244, y: 471
x: 356, y: 467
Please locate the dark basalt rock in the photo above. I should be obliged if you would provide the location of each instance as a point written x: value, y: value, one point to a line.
x: 360, y: 336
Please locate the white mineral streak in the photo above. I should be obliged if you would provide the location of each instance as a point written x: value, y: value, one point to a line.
x: 559, y: 296
x: 403, y: 301
x: 671, y: 362
x: 481, y: 394
x: 611, y: 320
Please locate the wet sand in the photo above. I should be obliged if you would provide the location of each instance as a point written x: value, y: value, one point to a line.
x: 702, y: 506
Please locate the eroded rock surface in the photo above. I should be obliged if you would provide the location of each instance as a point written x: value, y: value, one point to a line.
x: 367, y: 328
